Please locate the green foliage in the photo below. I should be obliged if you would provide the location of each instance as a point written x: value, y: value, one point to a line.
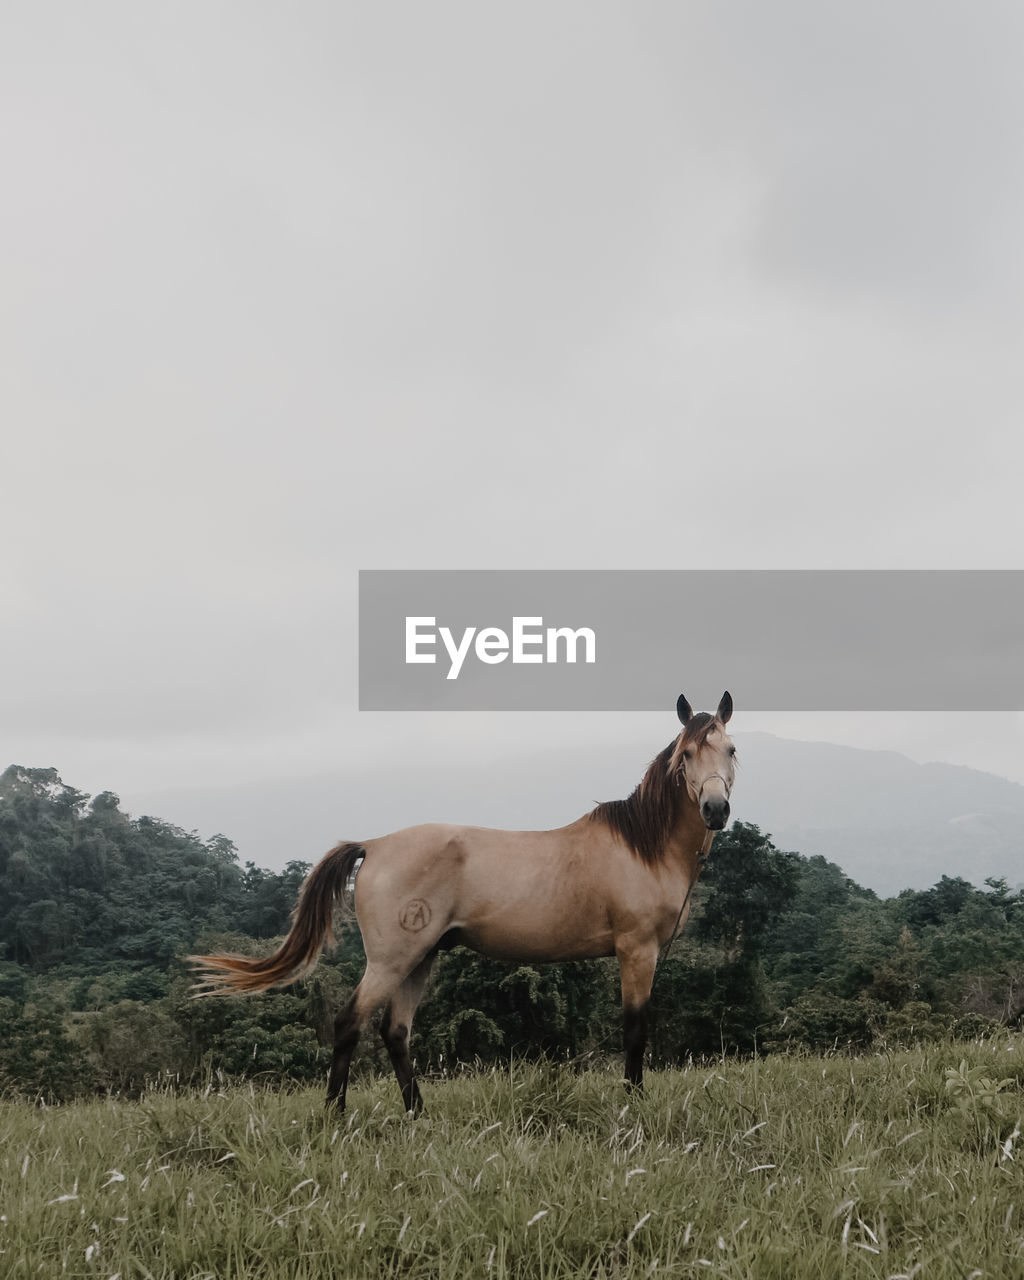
x: 479, y: 1009
x: 83, y: 884
x: 130, y: 1044
x: 247, y: 1036
x: 914, y: 1022
x: 823, y: 1022
x: 970, y: 1088
x: 745, y: 886
x: 711, y: 995
x: 986, y: 1102
x: 38, y: 1058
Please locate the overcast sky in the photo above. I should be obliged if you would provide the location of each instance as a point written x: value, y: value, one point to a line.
x: 289, y: 291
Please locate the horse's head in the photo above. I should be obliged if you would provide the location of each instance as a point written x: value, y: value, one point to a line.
x: 705, y: 760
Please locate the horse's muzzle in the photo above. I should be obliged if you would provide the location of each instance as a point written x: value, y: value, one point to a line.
x: 715, y: 813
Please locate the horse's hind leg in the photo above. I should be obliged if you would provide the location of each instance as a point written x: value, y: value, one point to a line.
x: 396, y: 1028
x: 373, y: 990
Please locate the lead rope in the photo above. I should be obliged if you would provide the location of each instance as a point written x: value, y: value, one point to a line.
x: 702, y: 857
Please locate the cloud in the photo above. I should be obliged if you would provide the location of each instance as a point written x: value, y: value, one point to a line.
x: 287, y: 294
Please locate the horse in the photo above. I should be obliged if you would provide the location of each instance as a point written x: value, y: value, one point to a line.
x: 617, y: 881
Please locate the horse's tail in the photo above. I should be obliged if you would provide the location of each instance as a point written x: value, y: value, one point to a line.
x: 311, y: 929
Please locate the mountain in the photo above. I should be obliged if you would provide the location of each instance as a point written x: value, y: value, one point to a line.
x: 889, y: 822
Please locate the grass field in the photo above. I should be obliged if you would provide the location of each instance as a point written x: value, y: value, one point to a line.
x: 907, y: 1164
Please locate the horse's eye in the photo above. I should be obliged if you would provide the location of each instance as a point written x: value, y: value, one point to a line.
x: 688, y: 754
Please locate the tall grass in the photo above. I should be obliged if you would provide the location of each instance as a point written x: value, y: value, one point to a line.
x: 893, y: 1166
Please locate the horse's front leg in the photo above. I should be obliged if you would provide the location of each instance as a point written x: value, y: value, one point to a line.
x: 637, y: 962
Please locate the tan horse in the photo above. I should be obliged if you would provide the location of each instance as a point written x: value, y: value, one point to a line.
x: 615, y: 882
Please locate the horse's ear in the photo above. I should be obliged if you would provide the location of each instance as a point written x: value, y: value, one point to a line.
x: 725, y: 707
x: 683, y: 709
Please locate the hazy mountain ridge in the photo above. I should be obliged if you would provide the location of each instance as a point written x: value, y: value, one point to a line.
x: 888, y: 821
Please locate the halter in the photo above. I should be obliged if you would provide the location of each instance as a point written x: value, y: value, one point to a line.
x: 719, y: 776
x: 707, y: 780
x: 702, y: 857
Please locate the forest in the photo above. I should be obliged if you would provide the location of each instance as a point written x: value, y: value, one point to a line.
x: 782, y: 953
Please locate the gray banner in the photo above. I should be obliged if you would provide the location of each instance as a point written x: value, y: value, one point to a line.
x: 779, y: 640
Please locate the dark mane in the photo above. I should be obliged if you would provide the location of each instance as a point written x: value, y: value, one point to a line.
x: 646, y: 818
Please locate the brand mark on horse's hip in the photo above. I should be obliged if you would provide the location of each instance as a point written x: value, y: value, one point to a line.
x: 415, y: 915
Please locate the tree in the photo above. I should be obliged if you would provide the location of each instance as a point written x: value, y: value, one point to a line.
x: 712, y: 995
